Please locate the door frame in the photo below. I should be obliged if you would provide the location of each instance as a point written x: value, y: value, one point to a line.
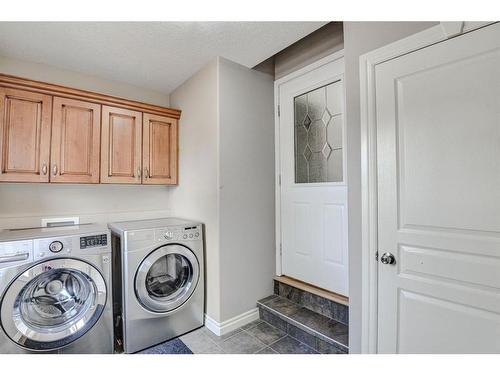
x: 277, y: 150
x: 369, y: 241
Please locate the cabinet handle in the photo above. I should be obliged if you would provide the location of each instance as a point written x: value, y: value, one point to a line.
x: 146, y: 172
x: 54, y: 169
x: 139, y: 172
x: 44, y: 168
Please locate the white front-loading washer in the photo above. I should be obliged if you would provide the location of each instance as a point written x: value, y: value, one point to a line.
x: 159, y: 285
x: 55, y: 290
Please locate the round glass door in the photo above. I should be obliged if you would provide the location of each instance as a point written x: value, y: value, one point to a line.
x: 166, y: 278
x: 53, y: 303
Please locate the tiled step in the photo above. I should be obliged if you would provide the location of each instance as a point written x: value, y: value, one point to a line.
x: 320, y: 332
x: 318, y: 300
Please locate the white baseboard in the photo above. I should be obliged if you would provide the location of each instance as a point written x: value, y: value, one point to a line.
x: 231, y: 324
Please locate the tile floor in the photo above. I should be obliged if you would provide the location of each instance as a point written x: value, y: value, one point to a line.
x: 257, y: 337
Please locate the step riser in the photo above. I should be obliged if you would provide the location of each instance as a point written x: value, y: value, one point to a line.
x: 312, y: 341
x: 313, y: 302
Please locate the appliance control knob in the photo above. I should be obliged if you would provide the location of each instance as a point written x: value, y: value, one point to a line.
x: 191, y: 235
x: 168, y: 235
x: 196, y: 234
x: 185, y: 236
x: 56, y: 246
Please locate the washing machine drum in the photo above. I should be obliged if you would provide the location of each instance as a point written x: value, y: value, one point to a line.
x: 53, y: 303
x: 166, y: 278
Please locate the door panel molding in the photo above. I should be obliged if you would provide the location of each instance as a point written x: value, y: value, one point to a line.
x: 367, y: 66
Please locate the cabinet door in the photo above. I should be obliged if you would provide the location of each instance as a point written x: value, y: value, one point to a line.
x: 121, y: 146
x: 76, y: 136
x: 24, y: 135
x: 160, y: 150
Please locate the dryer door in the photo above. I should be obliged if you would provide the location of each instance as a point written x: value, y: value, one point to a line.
x: 53, y: 303
x: 166, y: 278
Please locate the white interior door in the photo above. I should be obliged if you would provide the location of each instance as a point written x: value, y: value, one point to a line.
x: 313, y: 191
x: 438, y: 158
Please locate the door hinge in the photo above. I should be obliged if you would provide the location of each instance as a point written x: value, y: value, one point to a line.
x: 279, y: 111
x: 281, y: 249
x: 376, y: 256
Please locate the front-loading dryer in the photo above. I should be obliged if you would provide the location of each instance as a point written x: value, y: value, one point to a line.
x: 55, y: 290
x: 159, y: 283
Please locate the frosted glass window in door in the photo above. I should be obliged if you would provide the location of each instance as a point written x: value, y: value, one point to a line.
x: 318, y: 120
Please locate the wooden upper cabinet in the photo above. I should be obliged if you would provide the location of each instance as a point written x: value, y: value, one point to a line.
x: 53, y: 133
x: 24, y: 135
x: 159, y: 149
x: 76, y: 135
x: 121, y: 142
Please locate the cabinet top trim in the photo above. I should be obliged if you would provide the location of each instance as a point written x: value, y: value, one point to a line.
x: 64, y: 91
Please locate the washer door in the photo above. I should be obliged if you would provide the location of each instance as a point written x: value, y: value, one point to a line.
x: 166, y: 278
x: 53, y: 303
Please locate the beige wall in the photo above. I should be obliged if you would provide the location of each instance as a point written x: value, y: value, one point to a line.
x: 359, y: 38
x: 320, y: 43
x: 24, y: 205
x: 226, y: 153
x: 196, y: 197
x: 246, y: 214
x: 46, y: 73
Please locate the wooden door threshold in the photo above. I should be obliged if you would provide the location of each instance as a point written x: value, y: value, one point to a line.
x: 343, y: 300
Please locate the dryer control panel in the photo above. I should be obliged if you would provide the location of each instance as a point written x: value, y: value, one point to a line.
x: 178, y: 234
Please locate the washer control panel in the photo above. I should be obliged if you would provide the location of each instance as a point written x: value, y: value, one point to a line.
x: 48, y: 247
x: 93, y: 241
x: 178, y: 234
x: 56, y: 246
x: 15, y: 252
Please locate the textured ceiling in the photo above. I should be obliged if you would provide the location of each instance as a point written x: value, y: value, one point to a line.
x: 155, y: 55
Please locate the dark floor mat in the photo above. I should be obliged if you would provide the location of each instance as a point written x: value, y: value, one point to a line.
x: 174, y: 346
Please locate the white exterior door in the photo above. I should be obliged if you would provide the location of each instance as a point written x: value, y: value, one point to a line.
x: 313, y: 191
x: 438, y: 160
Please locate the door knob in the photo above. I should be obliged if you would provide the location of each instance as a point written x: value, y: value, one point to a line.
x: 388, y: 258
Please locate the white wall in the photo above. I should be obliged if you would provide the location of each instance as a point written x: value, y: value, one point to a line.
x: 359, y: 38
x: 246, y: 213
x: 196, y: 196
x: 23, y: 205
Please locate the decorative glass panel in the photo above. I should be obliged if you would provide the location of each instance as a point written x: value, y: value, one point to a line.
x: 318, y: 135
